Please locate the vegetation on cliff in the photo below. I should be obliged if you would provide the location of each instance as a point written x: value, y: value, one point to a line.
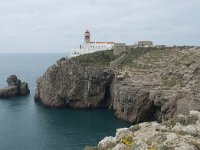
x: 150, y: 84
x: 154, y: 54
x: 97, y: 58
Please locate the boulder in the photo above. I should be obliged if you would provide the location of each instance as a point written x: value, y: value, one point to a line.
x: 13, y: 81
x: 24, y: 90
x: 15, y: 88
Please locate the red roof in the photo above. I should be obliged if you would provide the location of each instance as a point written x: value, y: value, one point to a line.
x: 103, y: 42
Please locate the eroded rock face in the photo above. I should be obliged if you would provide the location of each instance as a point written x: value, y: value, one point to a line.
x: 10, y: 91
x: 181, y: 133
x: 15, y: 88
x: 131, y: 103
x: 71, y: 84
x: 158, y: 85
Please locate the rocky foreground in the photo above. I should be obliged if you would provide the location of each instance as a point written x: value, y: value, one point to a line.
x: 180, y: 133
x: 151, y: 84
x: 15, y: 88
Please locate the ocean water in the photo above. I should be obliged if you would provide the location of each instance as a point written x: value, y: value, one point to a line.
x: 28, y: 125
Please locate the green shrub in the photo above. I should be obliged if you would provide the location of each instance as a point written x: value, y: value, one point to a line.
x: 172, y: 122
x: 170, y: 82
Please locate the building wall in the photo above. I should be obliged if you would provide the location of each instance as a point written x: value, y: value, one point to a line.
x: 90, y: 47
x: 93, y: 47
x: 119, y: 48
x: 160, y: 46
x: 145, y: 43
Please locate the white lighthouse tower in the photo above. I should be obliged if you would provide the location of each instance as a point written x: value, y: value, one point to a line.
x: 87, y: 37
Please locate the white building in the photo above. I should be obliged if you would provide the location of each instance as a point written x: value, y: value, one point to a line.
x: 90, y: 47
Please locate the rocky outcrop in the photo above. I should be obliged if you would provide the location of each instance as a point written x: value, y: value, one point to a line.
x: 69, y: 83
x: 151, y: 84
x: 15, y: 88
x: 131, y: 103
x: 181, y: 133
x: 158, y: 84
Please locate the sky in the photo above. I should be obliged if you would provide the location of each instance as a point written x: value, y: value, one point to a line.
x: 56, y: 26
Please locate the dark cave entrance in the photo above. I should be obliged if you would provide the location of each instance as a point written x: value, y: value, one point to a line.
x: 107, y: 95
x: 153, y: 114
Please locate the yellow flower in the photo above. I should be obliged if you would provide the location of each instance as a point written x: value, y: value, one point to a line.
x: 127, y: 140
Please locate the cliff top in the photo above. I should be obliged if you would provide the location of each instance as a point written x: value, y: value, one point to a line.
x: 166, y: 67
x: 100, y: 57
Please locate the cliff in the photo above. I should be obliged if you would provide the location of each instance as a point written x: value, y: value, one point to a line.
x: 76, y: 83
x: 157, y: 83
x: 150, y: 84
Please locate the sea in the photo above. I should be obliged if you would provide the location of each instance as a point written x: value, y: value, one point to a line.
x: 28, y: 125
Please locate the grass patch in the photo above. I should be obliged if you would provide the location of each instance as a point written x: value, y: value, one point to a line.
x: 134, y: 54
x: 135, y: 128
x: 170, y: 82
x: 153, y: 54
x: 195, y: 143
x: 100, y: 57
x: 192, y: 119
x: 172, y: 122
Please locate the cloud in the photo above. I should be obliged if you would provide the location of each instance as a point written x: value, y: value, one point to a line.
x: 58, y: 25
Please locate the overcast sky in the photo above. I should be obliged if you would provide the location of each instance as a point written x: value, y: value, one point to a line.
x: 58, y: 25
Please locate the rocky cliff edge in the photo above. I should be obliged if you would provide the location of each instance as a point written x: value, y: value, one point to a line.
x: 151, y: 84
x: 180, y: 133
x: 69, y: 83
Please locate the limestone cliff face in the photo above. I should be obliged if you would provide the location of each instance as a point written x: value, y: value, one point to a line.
x: 152, y: 84
x: 69, y: 83
x: 131, y: 103
x: 157, y: 84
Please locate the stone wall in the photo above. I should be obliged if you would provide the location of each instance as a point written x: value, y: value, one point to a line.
x: 145, y: 43
x: 119, y: 48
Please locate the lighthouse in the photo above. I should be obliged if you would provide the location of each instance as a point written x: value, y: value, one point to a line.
x: 87, y: 37
x: 90, y: 46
